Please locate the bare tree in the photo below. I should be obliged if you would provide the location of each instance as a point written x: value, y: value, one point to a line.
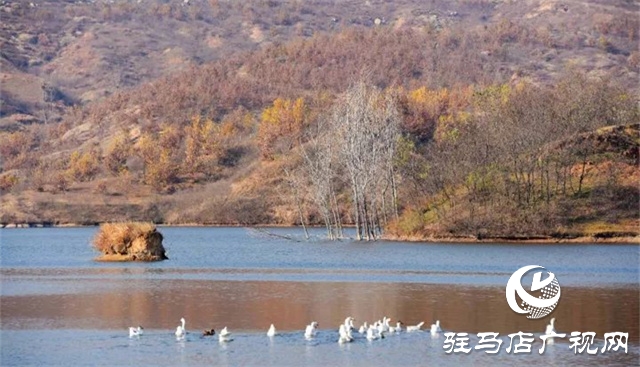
x: 366, y: 127
x: 294, y: 182
x: 320, y: 167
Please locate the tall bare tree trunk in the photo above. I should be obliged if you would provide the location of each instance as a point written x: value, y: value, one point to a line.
x: 394, y: 192
x: 356, y: 212
x: 336, y: 214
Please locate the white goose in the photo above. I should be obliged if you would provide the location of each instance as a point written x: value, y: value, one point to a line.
x: 363, y: 328
x: 372, y: 332
x: 415, y: 327
x: 181, y: 332
x: 550, y: 328
x: 272, y: 331
x: 383, y: 327
x: 310, y: 331
x: 225, y: 335
x: 397, y: 328
x: 348, y: 323
x: 135, y: 331
x: 435, y: 328
x: 345, y: 335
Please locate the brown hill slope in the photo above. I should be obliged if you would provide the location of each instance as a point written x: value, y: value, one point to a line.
x: 597, y: 198
x: 82, y: 51
x: 190, y: 146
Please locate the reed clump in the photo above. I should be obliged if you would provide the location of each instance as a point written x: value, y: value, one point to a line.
x: 129, y: 241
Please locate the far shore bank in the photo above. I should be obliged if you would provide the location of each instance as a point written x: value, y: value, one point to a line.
x: 586, y: 239
x: 213, y: 225
x: 533, y: 239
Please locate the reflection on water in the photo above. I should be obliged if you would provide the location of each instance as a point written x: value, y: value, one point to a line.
x: 53, y: 295
x: 236, y: 254
x: 158, y: 348
x: 252, y: 306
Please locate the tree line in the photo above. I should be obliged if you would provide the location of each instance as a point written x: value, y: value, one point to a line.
x: 523, y: 152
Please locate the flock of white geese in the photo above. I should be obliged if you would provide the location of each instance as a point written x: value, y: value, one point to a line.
x: 374, y: 331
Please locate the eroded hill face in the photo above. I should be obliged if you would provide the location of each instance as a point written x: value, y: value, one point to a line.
x: 57, y: 53
x: 60, y: 53
x: 189, y: 111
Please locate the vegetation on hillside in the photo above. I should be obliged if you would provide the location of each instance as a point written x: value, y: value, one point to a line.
x: 480, y: 121
x: 530, y: 162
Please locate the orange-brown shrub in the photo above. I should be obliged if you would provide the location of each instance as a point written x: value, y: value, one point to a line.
x: 117, y: 238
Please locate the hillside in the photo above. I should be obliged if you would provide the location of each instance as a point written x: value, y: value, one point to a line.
x: 598, y: 197
x: 210, y: 124
x: 57, y: 54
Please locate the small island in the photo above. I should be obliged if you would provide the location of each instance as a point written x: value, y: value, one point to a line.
x: 129, y: 241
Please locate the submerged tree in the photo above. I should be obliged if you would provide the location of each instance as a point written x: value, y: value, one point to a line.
x: 320, y: 167
x: 359, y: 138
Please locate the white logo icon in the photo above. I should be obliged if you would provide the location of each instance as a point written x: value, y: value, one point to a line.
x: 536, y: 307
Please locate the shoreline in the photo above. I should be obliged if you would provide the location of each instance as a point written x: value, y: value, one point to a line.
x: 542, y: 240
x: 534, y: 239
x: 125, y: 258
x: 80, y: 225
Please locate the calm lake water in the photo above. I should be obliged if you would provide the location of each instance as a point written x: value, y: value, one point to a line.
x: 59, y: 307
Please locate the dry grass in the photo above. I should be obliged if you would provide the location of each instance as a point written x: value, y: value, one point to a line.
x: 117, y: 238
x: 599, y: 228
x: 99, y: 48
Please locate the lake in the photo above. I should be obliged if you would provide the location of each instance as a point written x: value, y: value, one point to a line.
x: 59, y: 307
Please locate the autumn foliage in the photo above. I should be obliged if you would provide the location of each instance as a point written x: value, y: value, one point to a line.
x: 129, y: 241
x: 481, y: 107
x: 83, y: 166
x: 280, y: 127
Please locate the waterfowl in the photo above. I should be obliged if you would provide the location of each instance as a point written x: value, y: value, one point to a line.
x: 181, y: 332
x: 348, y: 323
x: 372, y: 332
x: 397, y: 328
x: 208, y: 332
x: 363, y: 328
x: 271, y: 331
x: 415, y: 327
x: 310, y: 331
x: 550, y: 328
x: 225, y: 335
x: 385, y: 324
x: 135, y: 331
x: 345, y: 335
x: 435, y: 328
